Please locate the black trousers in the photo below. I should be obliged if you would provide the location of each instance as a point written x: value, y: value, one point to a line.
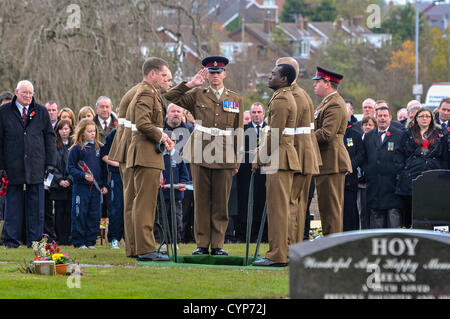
x: 63, y: 210
x: 386, y: 218
x: 351, y: 216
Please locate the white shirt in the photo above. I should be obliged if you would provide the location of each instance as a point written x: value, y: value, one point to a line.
x: 20, y: 108
x: 384, y: 134
x: 102, y: 122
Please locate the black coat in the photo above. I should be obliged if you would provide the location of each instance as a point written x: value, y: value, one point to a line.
x: 60, y: 173
x: 418, y: 161
x: 33, y: 144
x: 354, y: 146
x: 382, y: 167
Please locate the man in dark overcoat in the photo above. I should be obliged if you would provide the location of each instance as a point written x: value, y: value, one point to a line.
x: 27, y: 152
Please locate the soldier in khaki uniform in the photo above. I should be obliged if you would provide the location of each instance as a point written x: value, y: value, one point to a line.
x: 146, y: 113
x: 305, y: 143
x: 118, y: 153
x: 282, y: 117
x: 331, y: 122
x: 211, y: 150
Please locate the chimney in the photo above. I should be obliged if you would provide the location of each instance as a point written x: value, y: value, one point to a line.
x: 357, y: 20
x: 269, y: 24
x: 306, y: 24
x: 300, y: 22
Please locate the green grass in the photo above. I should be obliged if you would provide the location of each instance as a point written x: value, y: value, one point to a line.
x: 128, y: 280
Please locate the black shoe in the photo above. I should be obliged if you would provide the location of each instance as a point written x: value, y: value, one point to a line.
x: 153, y: 257
x: 218, y: 252
x: 268, y: 263
x: 200, y: 251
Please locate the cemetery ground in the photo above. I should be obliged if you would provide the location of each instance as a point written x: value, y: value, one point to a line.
x: 109, y: 274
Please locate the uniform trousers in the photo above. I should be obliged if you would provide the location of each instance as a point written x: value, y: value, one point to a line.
x: 24, y: 214
x: 330, y: 197
x: 128, y: 197
x: 297, y: 207
x: 278, y: 189
x: 212, y: 189
x: 146, y: 186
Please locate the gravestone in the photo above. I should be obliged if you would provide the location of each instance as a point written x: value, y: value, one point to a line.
x: 372, y: 264
x: 431, y: 199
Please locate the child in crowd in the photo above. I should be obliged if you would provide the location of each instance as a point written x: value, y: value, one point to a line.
x: 115, y: 207
x: 89, y: 183
x: 61, y: 186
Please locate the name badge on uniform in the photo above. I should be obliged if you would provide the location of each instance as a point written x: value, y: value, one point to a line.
x: 229, y: 106
x: 390, y: 146
x: 349, y: 142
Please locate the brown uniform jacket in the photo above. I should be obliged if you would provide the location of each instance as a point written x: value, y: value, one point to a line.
x: 306, y: 146
x: 331, y: 122
x: 282, y: 114
x: 118, y: 152
x: 146, y: 112
x: 211, y: 113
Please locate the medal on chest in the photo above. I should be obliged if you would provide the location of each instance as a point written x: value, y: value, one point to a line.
x: 229, y: 106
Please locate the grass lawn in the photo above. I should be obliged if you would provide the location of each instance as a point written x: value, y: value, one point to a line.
x: 124, y: 279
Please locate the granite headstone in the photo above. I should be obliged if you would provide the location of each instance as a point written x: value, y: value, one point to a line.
x: 431, y: 199
x: 372, y: 264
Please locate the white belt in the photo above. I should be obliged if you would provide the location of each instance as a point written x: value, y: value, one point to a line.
x: 121, y: 121
x: 289, y: 131
x: 213, y: 131
x: 312, y: 126
x: 134, y: 129
x: 297, y: 130
x: 127, y: 123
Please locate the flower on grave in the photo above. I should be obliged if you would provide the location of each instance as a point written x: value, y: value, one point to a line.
x: 45, y: 251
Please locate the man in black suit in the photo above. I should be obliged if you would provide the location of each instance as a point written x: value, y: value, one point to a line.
x: 383, y: 162
x: 353, y: 144
x: 253, y: 136
x: 442, y: 116
x: 27, y: 151
x: 397, y: 125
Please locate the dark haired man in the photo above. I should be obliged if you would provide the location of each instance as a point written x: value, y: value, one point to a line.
x: 280, y: 153
x: 146, y: 115
x: 331, y: 122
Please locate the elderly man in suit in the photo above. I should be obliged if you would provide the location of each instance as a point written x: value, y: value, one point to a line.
x: 147, y: 122
x: 331, y: 122
x: 27, y: 151
x: 211, y: 149
x: 278, y: 150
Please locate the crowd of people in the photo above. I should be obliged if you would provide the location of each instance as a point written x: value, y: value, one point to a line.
x: 101, y: 163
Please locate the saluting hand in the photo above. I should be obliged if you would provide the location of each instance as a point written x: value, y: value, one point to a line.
x: 198, y: 79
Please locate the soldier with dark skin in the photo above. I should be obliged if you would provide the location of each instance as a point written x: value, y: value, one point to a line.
x: 282, y: 156
x: 211, y: 150
x: 305, y: 143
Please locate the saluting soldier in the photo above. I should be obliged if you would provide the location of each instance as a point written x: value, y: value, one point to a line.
x: 211, y: 150
x: 331, y: 122
x: 305, y: 143
x: 282, y: 116
x: 146, y: 113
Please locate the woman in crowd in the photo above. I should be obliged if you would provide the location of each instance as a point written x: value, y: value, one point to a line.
x: 425, y: 148
x: 67, y: 114
x: 368, y: 123
x: 61, y: 186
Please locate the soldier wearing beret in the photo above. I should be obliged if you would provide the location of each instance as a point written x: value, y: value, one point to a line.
x: 211, y: 150
x: 146, y: 114
x: 282, y: 157
x: 331, y: 122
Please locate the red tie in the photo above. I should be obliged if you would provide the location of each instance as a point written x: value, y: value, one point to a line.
x: 106, y: 126
x: 24, y: 115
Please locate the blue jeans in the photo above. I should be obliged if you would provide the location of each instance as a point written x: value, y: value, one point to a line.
x: 86, y: 214
x: 115, y: 211
x: 24, y: 207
